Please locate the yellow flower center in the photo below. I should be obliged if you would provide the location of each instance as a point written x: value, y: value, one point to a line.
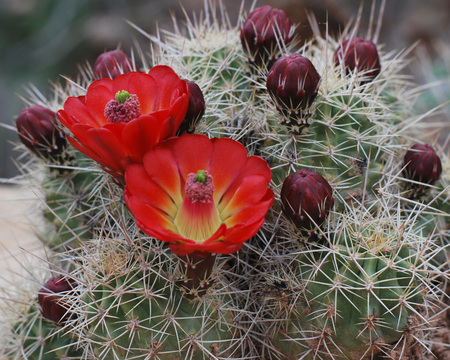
x: 198, y: 218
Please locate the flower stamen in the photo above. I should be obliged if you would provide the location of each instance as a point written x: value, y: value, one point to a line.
x: 123, y: 109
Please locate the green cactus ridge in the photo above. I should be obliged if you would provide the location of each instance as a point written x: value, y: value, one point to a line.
x: 134, y: 307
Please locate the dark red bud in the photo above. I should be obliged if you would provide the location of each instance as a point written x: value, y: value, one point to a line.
x: 306, y: 198
x: 38, y: 130
x: 360, y: 54
x: 263, y: 31
x: 293, y: 83
x: 196, y: 109
x: 422, y: 164
x: 52, y: 307
x: 112, y: 64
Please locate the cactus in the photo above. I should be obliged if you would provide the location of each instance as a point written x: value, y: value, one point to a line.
x: 254, y: 201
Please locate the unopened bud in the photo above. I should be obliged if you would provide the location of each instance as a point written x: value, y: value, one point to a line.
x: 306, y: 198
x: 38, y: 130
x: 360, y: 54
x: 111, y: 64
x: 263, y: 32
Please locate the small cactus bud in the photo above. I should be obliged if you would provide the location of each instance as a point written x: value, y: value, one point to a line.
x: 306, y: 198
x: 49, y: 298
x: 422, y: 164
x: 195, y: 111
x: 293, y: 83
x: 111, y: 64
x: 262, y: 32
x: 360, y: 54
x: 38, y: 130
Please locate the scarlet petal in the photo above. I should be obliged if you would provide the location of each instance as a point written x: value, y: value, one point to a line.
x: 192, y: 153
x: 254, y: 166
x: 96, y: 99
x: 148, y: 191
x: 141, y: 134
x: 75, y: 111
x: 171, y: 87
x: 252, y: 190
x: 228, y: 160
x: 153, y: 221
x: 162, y: 168
x: 107, y: 147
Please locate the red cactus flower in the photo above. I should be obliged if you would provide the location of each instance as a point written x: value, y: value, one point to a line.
x: 262, y: 32
x: 360, y: 54
x: 201, y: 195
x: 195, y: 110
x: 119, y: 120
x: 306, y: 198
x: 293, y: 83
x: 37, y: 127
x: 113, y: 63
x: 422, y: 164
x: 52, y: 307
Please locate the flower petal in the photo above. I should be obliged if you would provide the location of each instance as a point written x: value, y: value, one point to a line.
x: 148, y: 191
x: 254, y: 166
x: 162, y: 168
x: 96, y: 99
x: 192, y: 153
x: 151, y: 220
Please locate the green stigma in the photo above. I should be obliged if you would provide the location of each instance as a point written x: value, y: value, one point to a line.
x: 201, y: 176
x: 122, y: 96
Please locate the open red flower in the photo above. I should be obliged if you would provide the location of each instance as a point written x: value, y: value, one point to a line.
x: 119, y: 120
x: 201, y: 195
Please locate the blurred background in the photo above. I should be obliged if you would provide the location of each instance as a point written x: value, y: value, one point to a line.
x: 42, y: 39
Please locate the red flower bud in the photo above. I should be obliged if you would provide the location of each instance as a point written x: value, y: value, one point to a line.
x: 196, y: 109
x: 262, y: 32
x: 359, y: 54
x: 49, y: 298
x: 422, y: 164
x: 111, y: 64
x: 306, y: 198
x: 293, y: 83
x: 38, y: 130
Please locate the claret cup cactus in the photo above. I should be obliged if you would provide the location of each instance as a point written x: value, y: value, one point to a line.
x: 236, y: 196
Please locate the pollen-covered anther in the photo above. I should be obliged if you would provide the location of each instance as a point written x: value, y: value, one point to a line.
x: 199, y: 187
x: 123, y: 109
